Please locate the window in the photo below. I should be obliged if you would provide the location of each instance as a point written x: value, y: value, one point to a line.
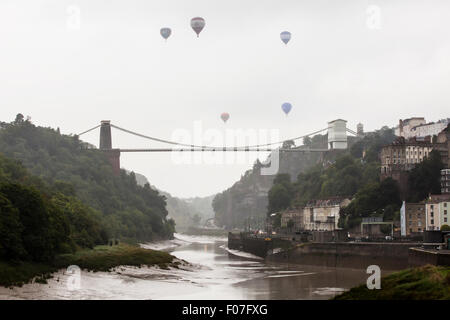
x: 445, y: 204
x: 445, y: 219
x: 419, y: 223
x: 432, y: 221
x: 432, y: 206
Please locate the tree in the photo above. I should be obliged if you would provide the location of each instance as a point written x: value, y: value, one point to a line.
x: 279, y: 198
x: 281, y: 194
x: 288, y: 144
x: 374, y: 199
x: 425, y: 177
x: 11, y: 247
x: 19, y: 118
x: 445, y: 227
x: 123, y: 208
x: 34, y: 218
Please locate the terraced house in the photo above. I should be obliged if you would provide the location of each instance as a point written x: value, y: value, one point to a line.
x: 437, y: 211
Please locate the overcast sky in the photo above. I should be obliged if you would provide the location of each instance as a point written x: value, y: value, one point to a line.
x: 340, y: 63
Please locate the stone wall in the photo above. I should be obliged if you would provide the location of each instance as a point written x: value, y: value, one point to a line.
x: 419, y: 257
x: 388, y: 256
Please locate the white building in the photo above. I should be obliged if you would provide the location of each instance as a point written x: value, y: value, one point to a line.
x: 417, y: 127
x: 323, y: 214
x: 337, y: 134
x: 437, y: 211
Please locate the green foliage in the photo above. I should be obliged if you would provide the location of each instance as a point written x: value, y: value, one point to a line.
x: 35, y: 219
x: 425, y: 177
x: 11, y: 246
x: 368, y: 148
x: 344, y: 178
x: 445, y: 227
x: 35, y: 225
x: 374, y: 199
x: 423, y: 283
x: 103, y: 258
x: 63, y: 164
x: 281, y: 194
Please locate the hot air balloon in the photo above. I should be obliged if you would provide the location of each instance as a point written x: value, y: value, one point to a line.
x: 225, y: 116
x: 197, y: 24
x: 165, y: 32
x: 285, y: 36
x: 286, y: 107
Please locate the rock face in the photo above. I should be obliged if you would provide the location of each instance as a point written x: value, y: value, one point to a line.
x: 245, y: 203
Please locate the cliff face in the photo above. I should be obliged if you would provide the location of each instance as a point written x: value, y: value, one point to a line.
x: 245, y: 203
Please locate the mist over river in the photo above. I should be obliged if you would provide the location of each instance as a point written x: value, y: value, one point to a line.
x: 214, y: 273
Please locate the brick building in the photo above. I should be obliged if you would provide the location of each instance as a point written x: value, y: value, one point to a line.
x: 445, y: 181
x: 415, y: 218
x: 398, y: 158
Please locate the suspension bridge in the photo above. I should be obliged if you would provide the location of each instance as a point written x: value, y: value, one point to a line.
x: 337, y: 139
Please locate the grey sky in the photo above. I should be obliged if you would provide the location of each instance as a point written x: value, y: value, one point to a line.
x: 117, y: 67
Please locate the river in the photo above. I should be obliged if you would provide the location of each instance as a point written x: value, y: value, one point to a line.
x: 214, y: 273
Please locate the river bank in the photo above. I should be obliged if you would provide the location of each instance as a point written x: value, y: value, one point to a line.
x: 100, y: 258
x: 213, y: 272
x: 422, y: 283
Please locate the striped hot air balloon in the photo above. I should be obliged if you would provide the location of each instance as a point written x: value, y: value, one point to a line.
x: 197, y: 24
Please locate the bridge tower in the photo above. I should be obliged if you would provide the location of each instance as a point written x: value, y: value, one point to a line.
x: 106, y: 146
x: 337, y: 134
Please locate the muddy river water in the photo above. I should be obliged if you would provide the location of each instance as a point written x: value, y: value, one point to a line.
x: 214, y: 273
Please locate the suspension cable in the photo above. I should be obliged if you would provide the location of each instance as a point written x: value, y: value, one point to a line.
x: 352, y: 132
x: 211, y: 147
x: 89, y: 130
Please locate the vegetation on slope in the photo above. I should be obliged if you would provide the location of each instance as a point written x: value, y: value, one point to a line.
x: 423, y: 283
x: 37, y: 221
x: 99, y: 258
x: 123, y: 208
x: 66, y: 202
